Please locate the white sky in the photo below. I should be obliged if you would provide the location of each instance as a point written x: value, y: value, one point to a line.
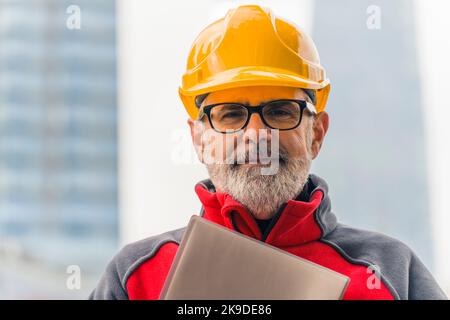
x: 434, y: 51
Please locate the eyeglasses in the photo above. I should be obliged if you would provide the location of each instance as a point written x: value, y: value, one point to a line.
x: 229, y: 117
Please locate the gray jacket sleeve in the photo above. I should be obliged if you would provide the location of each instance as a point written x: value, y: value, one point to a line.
x: 422, y: 285
x: 400, y: 268
x: 110, y: 285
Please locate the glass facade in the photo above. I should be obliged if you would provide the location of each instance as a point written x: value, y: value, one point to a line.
x: 374, y: 155
x: 58, y: 143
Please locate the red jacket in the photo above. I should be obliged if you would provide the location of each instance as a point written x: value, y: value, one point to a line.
x: 379, y: 267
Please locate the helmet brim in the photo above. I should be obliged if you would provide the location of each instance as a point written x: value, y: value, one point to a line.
x: 251, y: 76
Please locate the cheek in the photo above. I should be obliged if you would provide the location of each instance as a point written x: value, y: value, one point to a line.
x: 217, y: 147
x: 294, y: 143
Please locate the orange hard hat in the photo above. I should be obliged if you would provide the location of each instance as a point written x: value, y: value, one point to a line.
x: 250, y: 46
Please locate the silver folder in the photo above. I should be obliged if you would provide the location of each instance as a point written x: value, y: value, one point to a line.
x: 216, y: 263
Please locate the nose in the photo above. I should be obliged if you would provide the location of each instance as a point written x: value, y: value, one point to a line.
x: 254, y: 128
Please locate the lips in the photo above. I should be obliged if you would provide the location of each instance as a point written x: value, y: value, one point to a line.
x: 260, y: 162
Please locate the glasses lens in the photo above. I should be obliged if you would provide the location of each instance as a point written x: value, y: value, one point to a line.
x: 282, y: 114
x: 228, y: 117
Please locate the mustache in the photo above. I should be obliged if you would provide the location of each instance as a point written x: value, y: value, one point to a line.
x: 252, y: 155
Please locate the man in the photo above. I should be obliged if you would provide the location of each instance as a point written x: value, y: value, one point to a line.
x: 254, y: 83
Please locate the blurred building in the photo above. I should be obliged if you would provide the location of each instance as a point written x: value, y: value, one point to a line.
x: 374, y: 156
x: 58, y: 142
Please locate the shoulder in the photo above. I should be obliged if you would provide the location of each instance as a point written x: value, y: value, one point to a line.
x: 369, y: 246
x: 394, y: 261
x: 112, y: 284
x: 134, y: 254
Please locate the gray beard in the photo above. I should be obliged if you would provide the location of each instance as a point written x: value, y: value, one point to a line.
x: 261, y: 194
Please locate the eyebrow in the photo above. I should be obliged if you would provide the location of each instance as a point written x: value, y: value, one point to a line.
x: 247, y: 103
x: 310, y: 94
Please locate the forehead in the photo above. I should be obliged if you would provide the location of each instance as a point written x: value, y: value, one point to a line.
x: 254, y: 95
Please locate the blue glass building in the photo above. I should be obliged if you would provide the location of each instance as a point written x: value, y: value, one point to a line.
x: 374, y: 156
x: 58, y: 138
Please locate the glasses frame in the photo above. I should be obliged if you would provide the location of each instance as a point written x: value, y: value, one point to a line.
x: 259, y: 110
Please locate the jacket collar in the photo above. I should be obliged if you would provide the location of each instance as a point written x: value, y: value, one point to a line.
x: 296, y: 222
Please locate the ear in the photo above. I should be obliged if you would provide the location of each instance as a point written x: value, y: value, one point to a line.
x: 196, y: 128
x: 320, y: 128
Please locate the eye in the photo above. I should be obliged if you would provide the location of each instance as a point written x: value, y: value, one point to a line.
x: 229, y: 112
x: 233, y: 114
x: 281, y: 110
x: 278, y: 112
